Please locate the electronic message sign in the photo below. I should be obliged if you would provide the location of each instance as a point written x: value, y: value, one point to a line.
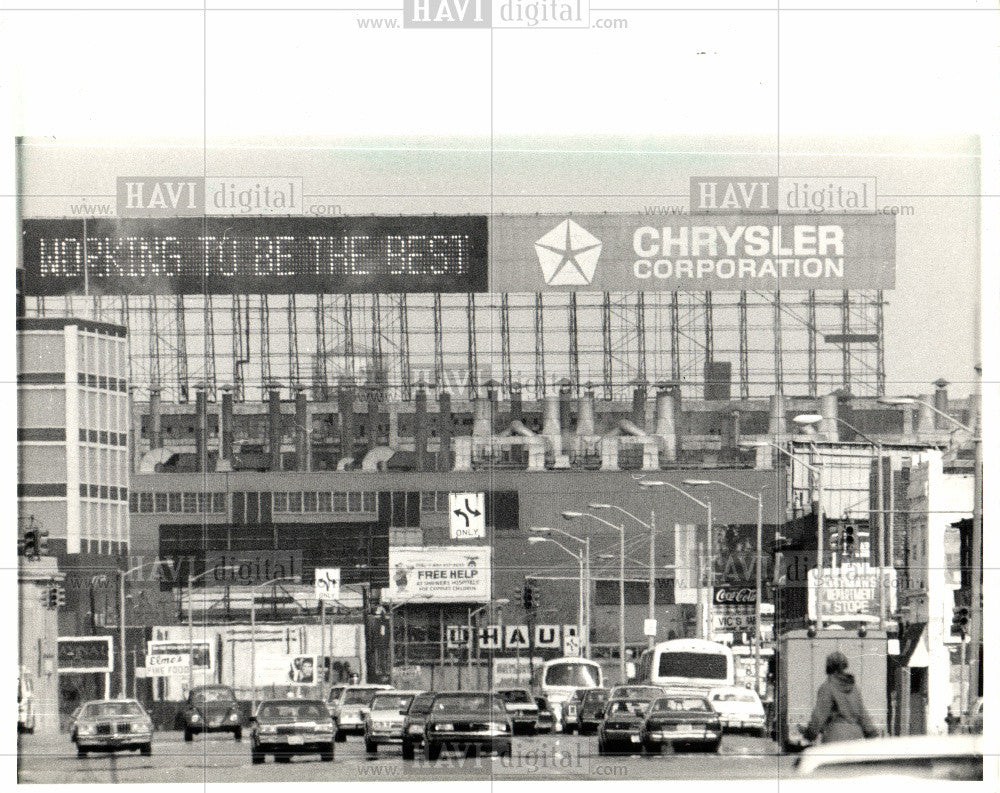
x: 255, y: 255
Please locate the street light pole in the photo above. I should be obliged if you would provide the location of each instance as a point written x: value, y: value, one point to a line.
x: 253, y: 637
x: 585, y: 579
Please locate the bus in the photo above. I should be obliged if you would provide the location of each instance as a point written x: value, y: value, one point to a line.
x: 687, y: 664
x: 557, y: 679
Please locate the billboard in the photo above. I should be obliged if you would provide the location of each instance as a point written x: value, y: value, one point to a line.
x: 702, y: 252
x: 259, y: 255
x: 851, y: 592
x: 84, y: 654
x: 440, y: 574
x: 200, y: 652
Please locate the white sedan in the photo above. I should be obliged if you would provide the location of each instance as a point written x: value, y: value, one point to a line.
x: 738, y: 709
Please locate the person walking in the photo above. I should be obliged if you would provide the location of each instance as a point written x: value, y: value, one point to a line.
x: 839, y: 714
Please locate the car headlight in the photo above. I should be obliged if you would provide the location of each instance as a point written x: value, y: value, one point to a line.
x: 415, y: 729
x: 322, y: 728
x: 443, y: 727
x: 195, y: 717
x: 498, y: 726
x: 234, y: 716
x: 86, y: 729
x: 268, y: 729
x: 140, y: 726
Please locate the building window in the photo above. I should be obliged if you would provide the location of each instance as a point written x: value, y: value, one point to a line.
x: 309, y: 501
x: 442, y: 501
x: 369, y: 502
x: 218, y: 502
x: 145, y: 502
x: 295, y: 502
x: 354, y: 501
x: 160, y: 500
x: 428, y: 502
x: 133, y: 502
x: 340, y: 502
x: 191, y: 502
x: 204, y: 502
x: 325, y: 502
x: 281, y: 502
x: 173, y: 502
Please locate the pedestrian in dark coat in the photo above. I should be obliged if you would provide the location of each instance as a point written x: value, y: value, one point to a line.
x: 839, y: 714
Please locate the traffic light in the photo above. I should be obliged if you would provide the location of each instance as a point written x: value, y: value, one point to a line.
x: 529, y: 597
x: 849, y: 538
x: 42, y: 543
x: 29, y: 544
x: 960, y: 621
x: 55, y: 597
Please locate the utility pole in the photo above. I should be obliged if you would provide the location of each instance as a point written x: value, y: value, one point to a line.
x: 652, y: 574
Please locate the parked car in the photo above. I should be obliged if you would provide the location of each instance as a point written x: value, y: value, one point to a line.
x: 546, y: 717
x: 739, y: 709
x: 622, y: 727
x: 471, y: 721
x: 592, y: 707
x: 682, y: 720
x: 112, y: 725
x: 414, y: 723
x: 349, y: 710
x: 385, y: 717
x: 286, y: 727
x: 521, y: 707
x: 571, y: 711
x: 334, y: 695
x: 211, y: 709
x: 950, y: 757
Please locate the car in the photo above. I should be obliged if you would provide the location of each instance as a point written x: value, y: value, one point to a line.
x: 286, y: 727
x: 385, y: 717
x: 912, y: 757
x: 349, y: 709
x: 473, y: 721
x: 413, y: 724
x: 571, y: 711
x: 211, y: 709
x: 682, y: 721
x: 546, y: 717
x: 334, y: 694
x: 639, y: 692
x: 112, y: 725
x: 522, y: 709
x: 622, y: 727
x: 592, y: 707
x: 739, y: 709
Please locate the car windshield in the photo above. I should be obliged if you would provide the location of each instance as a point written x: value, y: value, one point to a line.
x: 421, y: 704
x: 622, y: 707
x: 212, y: 695
x: 675, y: 704
x: 398, y: 702
x: 98, y: 710
x: 335, y: 693
x: 515, y: 696
x: 466, y: 702
x: 359, y: 696
x: 733, y: 696
x: 572, y: 674
x: 595, y: 697
x: 305, y: 710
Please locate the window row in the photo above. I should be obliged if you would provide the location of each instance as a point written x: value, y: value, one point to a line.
x: 104, y: 437
x: 323, y: 501
x: 434, y: 501
x: 107, y: 383
x: 190, y: 503
x: 105, y: 491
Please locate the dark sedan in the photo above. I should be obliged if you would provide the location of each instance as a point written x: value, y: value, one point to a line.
x: 414, y: 723
x: 546, y: 717
x: 571, y: 711
x: 470, y: 721
x: 211, y: 709
x: 682, y: 721
x: 592, y: 707
x: 622, y: 728
x: 286, y: 727
x: 112, y: 725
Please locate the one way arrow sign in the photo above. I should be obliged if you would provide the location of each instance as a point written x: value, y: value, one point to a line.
x: 468, y: 515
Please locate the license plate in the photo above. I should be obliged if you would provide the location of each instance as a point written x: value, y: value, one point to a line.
x: 634, y: 738
x: 295, y: 740
x: 684, y: 727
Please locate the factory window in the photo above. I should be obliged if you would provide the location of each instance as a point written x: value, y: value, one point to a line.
x: 325, y: 502
x: 133, y: 502
x: 340, y: 502
x: 443, y: 502
x: 502, y: 509
x: 218, y: 502
x: 428, y: 502
x: 204, y: 502
x: 354, y: 502
x: 145, y: 502
x: 190, y: 502
x: 281, y: 502
x: 309, y: 501
x: 161, y: 501
x: 174, y: 502
x: 368, y: 504
x: 295, y: 502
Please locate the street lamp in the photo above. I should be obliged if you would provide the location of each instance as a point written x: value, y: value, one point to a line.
x: 570, y: 515
x: 759, y: 498
x: 253, y: 636
x: 817, y: 471
x: 122, y: 575
x: 190, y: 582
x: 975, y: 594
x: 585, y: 619
x: 580, y: 558
x: 651, y: 527
x: 707, y: 629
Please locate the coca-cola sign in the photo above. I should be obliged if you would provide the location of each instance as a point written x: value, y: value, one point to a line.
x: 740, y: 595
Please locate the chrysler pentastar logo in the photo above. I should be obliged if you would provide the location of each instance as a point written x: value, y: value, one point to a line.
x: 568, y: 255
